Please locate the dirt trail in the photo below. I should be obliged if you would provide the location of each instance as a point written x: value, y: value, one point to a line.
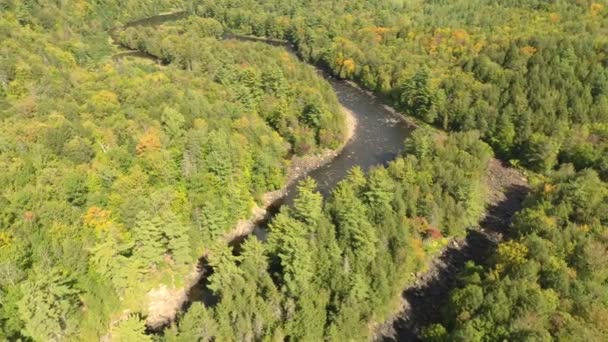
x: 423, y: 300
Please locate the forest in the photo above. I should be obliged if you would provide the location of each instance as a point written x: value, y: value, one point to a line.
x: 546, y: 283
x: 330, y: 267
x: 120, y: 170
x: 117, y: 176
x: 529, y: 75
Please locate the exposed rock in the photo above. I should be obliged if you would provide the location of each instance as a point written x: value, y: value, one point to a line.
x: 163, y: 305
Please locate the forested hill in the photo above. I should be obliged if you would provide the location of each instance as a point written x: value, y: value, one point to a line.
x: 530, y: 75
x: 117, y: 175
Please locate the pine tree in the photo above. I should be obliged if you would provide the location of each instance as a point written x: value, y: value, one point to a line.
x: 541, y: 153
x: 48, y: 303
x: 250, y: 308
x: 178, y: 240
x: 128, y: 273
x: 197, y: 324
x: 173, y: 122
x: 149, y: 240
x: 225, y: 269
x: 420, y: 143
x: 131, y: 329
x: 287, y: 240
x: 217, y: 155
x: 379, y: 192
x: 417, y: 96
x: 308, y: 205
x: 213, y: 219
x: 103, y: 256
x: 355, y: 233
x: 356, y: 178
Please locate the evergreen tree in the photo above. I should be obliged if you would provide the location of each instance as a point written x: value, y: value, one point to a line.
x: 178, y: 239
x: 355, y: 233
x: 173, y: 122
x: 131, y: 329
x: 150, y: 243
x: 197, y: 324
x: 541, y: 153
x: 417, y: 96
x: 225, y: 269
x: 249, y: 309
x: 287, y: 240
x: 379, y: 192
x: 308, y: 205
x: 420, y: 143
x: 48, y: 306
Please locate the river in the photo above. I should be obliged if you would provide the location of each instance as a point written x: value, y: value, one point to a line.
x: 378, y: 139
x: 379, y: 134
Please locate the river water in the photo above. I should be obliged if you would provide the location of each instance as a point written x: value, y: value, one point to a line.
x: 378, y: 138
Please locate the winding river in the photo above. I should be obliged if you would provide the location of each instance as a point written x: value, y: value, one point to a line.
x: 379, y: 134
x: 378, y: 137
x: 377, y: 140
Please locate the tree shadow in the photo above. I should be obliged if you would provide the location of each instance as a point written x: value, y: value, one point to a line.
x: 200, y: 291
x: 431, y: 290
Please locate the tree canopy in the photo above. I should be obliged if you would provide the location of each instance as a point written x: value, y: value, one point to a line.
x: 548, y: 281
x: 117, y: 174
x: 529, y: 75
x: 135, y: 136
x: 330, y: 268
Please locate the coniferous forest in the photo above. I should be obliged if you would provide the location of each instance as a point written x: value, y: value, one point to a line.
x: 139, y: 137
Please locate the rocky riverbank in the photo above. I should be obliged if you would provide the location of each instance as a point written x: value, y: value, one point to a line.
x: 421, y: 302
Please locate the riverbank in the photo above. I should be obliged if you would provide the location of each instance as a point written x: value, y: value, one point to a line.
x: 164, y: 303
x: 420, y: 302
x: 299, y: 168
x: 427, y: 291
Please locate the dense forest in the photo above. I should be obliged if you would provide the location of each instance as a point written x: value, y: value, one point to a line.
x: 120, y: 170
x: 330, y: 267
x: 546, y: 283
x: 527, y: 74
x: 117, y: 175
x: 261, y: 86
x: 376, y: 232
